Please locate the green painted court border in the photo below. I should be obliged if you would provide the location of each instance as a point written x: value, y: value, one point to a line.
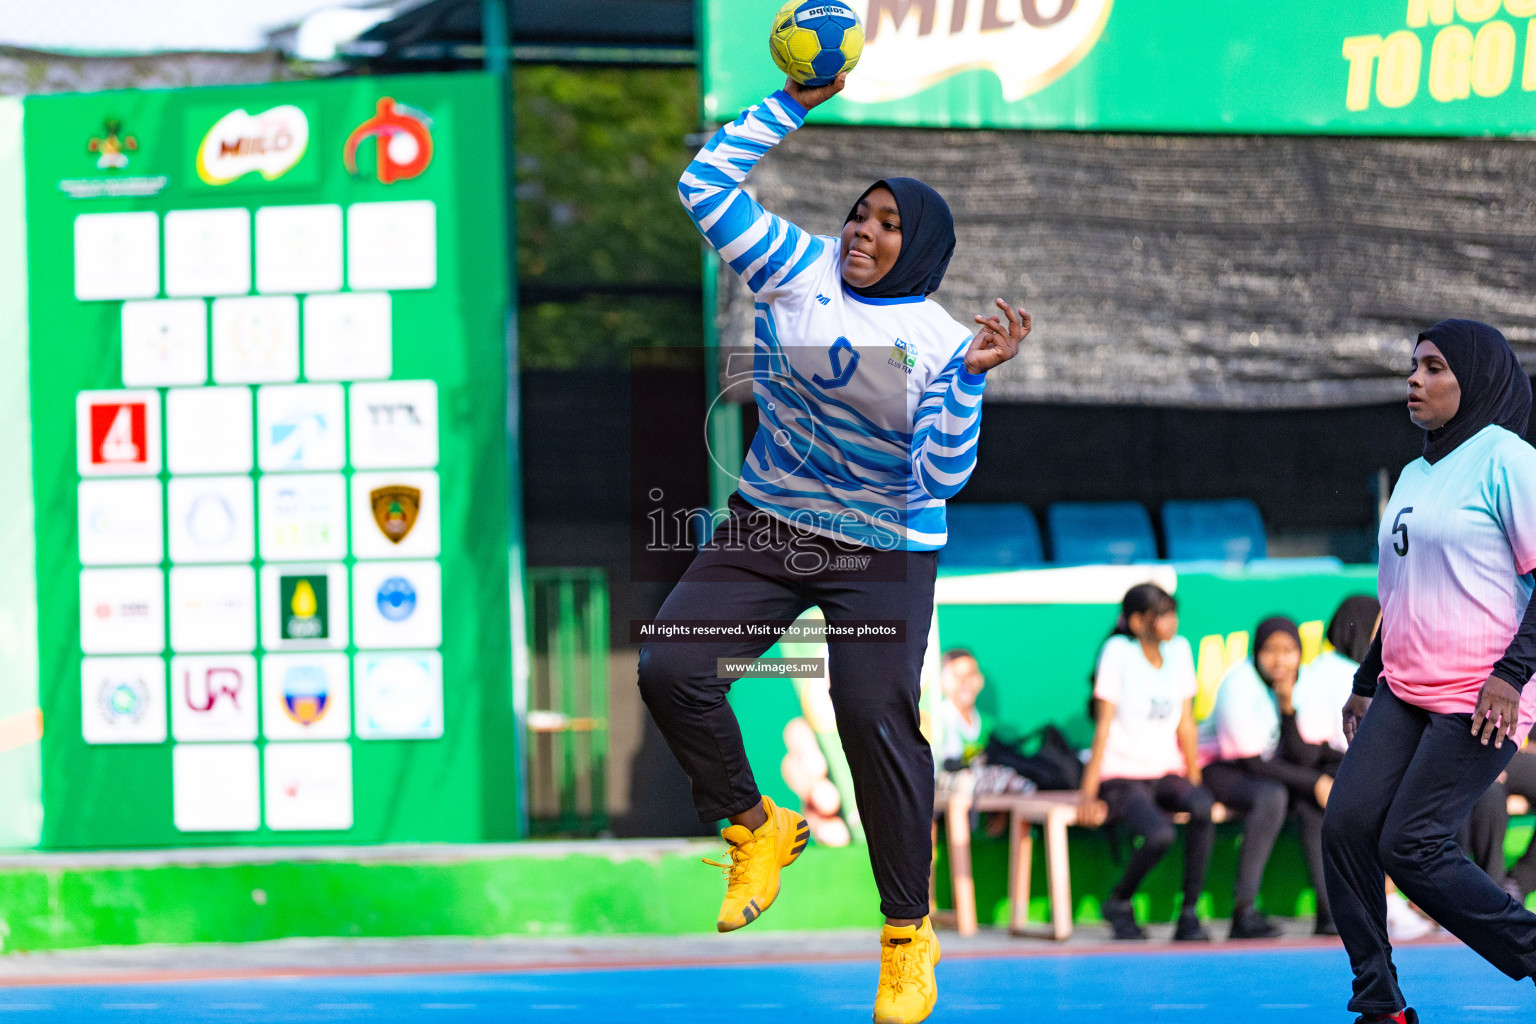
x: 551, y: 889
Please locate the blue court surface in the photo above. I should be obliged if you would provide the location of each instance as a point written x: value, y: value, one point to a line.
x: 1446, y: 982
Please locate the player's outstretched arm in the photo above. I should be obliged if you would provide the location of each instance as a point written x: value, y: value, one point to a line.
x: 811, y: 98
x: 767, y: 251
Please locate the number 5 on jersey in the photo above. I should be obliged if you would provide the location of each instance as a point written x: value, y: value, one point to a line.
x: 1401, y: 529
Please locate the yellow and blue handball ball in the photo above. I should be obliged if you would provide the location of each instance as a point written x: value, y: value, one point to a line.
x: 814, y: 41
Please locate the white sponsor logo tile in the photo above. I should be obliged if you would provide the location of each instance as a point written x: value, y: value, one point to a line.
x: 303, y: 517
x: 122, y: 700
x: 121, y: 522
x: 348, y: 336
x: 212, y: 519
x: 208, y: 430
x: 165, y: 342
x: 208, y: 252
x: 309, y: 786
x: 371, y: 498
x: 394, y: 424
x: 397, y: 604
x: 299, y: 426
x: 216, y: 787
x: 213, y: 697
x: 256, y: 340
x: 298, y: 248
x: 305, y: 697
x: 398, y: 695
x: 213, y: 608
x: 392, y: 245
x: 117, y: 433
x: 117, y: 256
x: 122, y: 611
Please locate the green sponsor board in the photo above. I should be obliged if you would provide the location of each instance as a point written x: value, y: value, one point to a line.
x: 1412, y: 67
x: 267, y: 339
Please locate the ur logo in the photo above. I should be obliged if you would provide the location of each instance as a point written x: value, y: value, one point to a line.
x: 205, y: 688
x: 842, y: 372
x: 404, y: 142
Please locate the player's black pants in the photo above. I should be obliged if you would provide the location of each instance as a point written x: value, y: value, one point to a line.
x: 1262, y: 803
x: 1408, y: 782
x: 1142, y: 806
x: 756, y: 569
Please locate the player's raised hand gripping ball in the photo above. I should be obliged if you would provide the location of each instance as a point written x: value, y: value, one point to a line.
x: 813, y: 41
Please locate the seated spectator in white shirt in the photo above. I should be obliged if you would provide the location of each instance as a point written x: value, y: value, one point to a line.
x: 1144, y: 764
x: 1238, y: 742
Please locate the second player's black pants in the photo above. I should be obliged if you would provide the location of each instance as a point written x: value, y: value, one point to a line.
x: 1409, y: 780
x: 756, y: 569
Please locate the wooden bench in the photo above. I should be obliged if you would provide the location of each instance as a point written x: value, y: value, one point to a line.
x: 1053, y: 811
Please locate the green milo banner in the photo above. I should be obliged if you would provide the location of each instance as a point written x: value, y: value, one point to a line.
x: 267, y: 365
x: 1410, y: 67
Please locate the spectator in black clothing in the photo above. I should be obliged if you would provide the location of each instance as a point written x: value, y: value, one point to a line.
x: 1311, y: 729
x: 1238, y: 744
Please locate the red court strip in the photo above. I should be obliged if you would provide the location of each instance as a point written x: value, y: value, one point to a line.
x: 116, y: 977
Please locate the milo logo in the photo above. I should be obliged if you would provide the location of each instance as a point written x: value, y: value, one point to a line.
x: 911, y: 45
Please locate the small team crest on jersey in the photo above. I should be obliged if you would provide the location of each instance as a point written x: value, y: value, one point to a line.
x: 395, y: 509
x: 904, y: 355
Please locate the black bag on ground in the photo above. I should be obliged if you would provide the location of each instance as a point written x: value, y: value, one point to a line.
x: 1053, y: 765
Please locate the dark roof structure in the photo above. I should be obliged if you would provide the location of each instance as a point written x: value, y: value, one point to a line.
x: 449, y: 33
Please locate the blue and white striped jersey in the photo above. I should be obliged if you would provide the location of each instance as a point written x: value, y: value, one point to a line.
x: 867, y: 419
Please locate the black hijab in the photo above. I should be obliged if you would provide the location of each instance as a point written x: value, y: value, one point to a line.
x: 927, y: 241
x: 1266, y: 629
x: 1353, y: 625
x: 1494, y: 388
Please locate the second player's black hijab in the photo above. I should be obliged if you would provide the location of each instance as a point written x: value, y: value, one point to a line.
x: 1494, y: 387
x: 927, y: 241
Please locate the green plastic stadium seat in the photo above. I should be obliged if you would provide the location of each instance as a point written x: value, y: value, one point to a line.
x: 1000, y: 535
x: 1229, y: 530
x: 1088, y: 532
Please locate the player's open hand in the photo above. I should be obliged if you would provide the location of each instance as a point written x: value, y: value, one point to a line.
x: 1354, y: 711
x: 809, y: 98
x: 1498, y: 712
x: 996, y: 342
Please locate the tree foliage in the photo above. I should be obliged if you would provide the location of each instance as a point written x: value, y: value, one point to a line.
x: 599, y: 152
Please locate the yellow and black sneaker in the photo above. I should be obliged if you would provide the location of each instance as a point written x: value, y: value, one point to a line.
x: 907, y: 986
x: 752, y: 876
